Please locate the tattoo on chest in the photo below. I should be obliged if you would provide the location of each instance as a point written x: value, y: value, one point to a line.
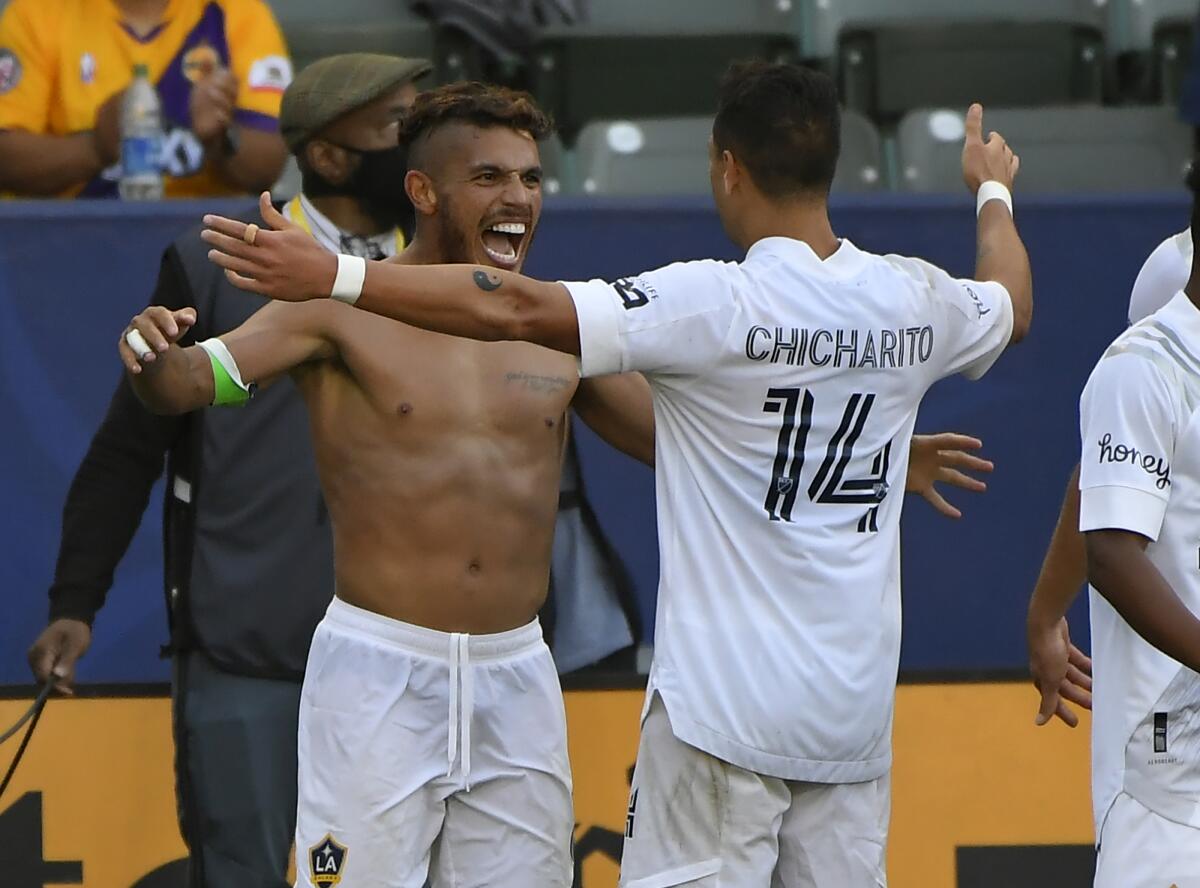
x: 542, y: 384
x: 485, y: 281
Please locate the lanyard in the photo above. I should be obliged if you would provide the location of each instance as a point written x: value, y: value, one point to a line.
x: 296, y: 213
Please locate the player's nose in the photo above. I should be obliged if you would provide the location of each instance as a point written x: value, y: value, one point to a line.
x: 516, y: 193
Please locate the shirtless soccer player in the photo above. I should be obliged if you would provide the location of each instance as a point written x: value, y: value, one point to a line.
x: 785, y: 391
x: 431, y: 719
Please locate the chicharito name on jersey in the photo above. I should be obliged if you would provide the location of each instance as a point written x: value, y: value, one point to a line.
x: 801, y: 346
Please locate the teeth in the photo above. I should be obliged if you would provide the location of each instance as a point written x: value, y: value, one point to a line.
x: 509, y: 227
x: 503, y: 258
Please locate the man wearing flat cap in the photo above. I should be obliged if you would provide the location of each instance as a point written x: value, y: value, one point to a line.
x: 248, y: 551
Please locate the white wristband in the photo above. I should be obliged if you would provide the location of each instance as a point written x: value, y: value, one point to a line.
x: 992, y: 190
x: 136, y: 341
x: 348, y: 284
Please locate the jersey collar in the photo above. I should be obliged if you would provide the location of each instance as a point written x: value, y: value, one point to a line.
x: 1183, y: 317
x: 845, y: 262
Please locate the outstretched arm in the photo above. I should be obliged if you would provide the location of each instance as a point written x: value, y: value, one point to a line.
x: 169, y: 379
x: 1061, y: 672
x: 620, y: 409
x: 460, y: 300
x: 1000, y: 254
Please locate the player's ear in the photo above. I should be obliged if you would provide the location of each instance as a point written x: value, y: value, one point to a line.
x: 731, y: 172
x: 420, y: 190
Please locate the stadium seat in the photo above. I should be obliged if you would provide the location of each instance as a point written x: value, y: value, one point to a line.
x: 317, y: 28
x: 1069, y: 149
x: 891, y: 56
x: 636, y: 59
x: 1151, y: 41
x: 861, y: 165
x: 670, y: 156
x: 554, y: 166
x: 1134, y: 22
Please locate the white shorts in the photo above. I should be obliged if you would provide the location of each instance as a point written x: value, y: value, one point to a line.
x: 1141, y: 849
x: 429, y: 754
x: 697, y: 820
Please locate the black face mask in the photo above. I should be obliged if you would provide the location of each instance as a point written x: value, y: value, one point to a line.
x: 377, y: 183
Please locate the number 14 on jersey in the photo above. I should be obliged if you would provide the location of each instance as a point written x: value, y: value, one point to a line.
x: 829, y: 484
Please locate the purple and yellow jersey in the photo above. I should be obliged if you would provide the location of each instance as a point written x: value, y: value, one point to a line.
x: 61, y: 59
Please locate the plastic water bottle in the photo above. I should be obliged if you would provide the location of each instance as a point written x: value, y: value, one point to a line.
x: 141, y: 140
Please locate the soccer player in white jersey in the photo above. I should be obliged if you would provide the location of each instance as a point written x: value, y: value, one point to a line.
x: 1061, y: 672
x: 786, y: 388
x: 1136, y: 501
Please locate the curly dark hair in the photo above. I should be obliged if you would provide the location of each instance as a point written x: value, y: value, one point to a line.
x: 479, y: 104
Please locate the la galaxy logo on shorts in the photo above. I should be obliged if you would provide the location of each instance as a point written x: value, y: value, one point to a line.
x: 326, y: 859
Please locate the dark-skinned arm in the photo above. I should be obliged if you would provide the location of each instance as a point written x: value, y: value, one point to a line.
x: 1119, y: 570
x: 1061, y: 672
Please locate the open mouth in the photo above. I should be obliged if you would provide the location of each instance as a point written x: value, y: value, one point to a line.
x: 502, y: 242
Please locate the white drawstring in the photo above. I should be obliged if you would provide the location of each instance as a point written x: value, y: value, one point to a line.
x: 460, y: 669
x: 468, y: 707
x: 452, y: 752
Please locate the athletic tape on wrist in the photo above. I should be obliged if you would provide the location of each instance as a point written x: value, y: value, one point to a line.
x: 228, y: 388
x: 348, y: 284
x: 993, y: 190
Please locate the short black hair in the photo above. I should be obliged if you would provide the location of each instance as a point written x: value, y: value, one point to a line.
x: 478, y: 104
x: 781, y: 122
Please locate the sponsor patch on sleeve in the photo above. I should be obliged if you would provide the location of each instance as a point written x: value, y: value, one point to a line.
x: 10, y: 70
x: 270, y: 74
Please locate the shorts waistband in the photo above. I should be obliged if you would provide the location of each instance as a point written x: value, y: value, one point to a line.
x: 431, y: 642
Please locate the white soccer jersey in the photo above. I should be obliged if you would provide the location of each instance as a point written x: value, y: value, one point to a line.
x: 785, y: 393
x: 1140, y: 471
x: 1163, y: 274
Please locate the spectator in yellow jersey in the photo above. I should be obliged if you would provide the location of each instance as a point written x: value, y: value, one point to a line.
x: 220, y: 67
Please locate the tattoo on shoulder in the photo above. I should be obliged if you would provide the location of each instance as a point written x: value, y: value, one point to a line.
x: 485, y: 281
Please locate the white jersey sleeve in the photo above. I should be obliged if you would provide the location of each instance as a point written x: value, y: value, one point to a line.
x: 1127, y: 427
x: 1163, y: 274
x: 976, y: 317
x: 672, y: 320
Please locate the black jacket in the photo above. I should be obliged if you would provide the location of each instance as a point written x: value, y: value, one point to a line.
x: 247, y: 545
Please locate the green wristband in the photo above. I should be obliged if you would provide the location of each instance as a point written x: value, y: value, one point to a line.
x: 227, y: 391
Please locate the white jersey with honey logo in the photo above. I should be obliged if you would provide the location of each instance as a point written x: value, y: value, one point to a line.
x: 1140, y: 472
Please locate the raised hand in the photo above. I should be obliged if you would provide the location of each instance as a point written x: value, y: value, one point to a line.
x: 211, y: 105
x: 159, y: 328
x: 986, y: 160
x: 280, y: 261
x: 934, y: 458
x: 1061, y: 672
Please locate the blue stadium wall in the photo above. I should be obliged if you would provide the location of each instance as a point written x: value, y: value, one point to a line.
x: 71, y: 275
